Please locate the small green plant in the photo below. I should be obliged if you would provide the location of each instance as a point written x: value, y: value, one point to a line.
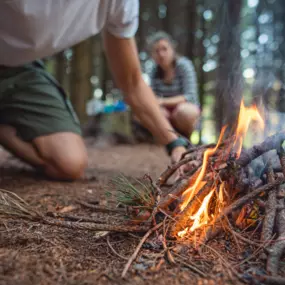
x: 136, y: 194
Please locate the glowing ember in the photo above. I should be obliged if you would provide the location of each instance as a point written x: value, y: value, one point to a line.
x: 246, y: 115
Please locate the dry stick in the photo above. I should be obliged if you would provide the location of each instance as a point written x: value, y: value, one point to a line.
x: 231, y: 230
x: 193, y: 149
x: 277, y: 249
x: 224, y: 261
x: 211, y: 232
x: 175, y: 192
x: 114, y: 251
x: 101, y: 209
x: 170, y: 170
x: 270, y: 280
x: 169, y: 256
x: 190, y: 266
x: 95, y: 227
x: 83, y: 218
x: 282, y: 160
x: 255, y: 253
x: 134, y: 255
x: 270, y: 143
x: 244, y: 239
x: 270, y: 209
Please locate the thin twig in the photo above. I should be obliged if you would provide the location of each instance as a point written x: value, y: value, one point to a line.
x: 134, y: 255
x: 270, y: 280
x: 270, y: 209
x: 114, y: 251
x: 197, y: 148
x: 190, y: 266
x: 95, y: 227
x: 261, y: 247
x: 225, y: 262
x: 170, y: 258
x: 171, y: 169
x: 101, y: 209
x: 244, y: 239
x: 73, y: 218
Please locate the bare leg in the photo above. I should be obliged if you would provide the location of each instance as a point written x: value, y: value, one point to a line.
x: 60, y: 155
x: 184, y: 118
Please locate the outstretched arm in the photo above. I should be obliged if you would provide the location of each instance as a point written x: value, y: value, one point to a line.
x: 124, y: 62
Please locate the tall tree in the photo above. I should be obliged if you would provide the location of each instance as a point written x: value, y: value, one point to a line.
x: 201, y: 74
x: 229, y: 79
x: 192, y: 19
x: 81, y: 72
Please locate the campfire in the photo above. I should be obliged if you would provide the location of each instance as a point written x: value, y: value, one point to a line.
x: 208, y: 192
x: 226, y: 189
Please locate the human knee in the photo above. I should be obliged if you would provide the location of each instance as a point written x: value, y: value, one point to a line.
x: 165, y: 112
x: 64, y: 155
x: 72, y: 166
x: 186, y: 112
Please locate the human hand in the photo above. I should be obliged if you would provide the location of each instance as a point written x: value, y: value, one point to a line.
x: 161, y: 101
x: 176, y: 155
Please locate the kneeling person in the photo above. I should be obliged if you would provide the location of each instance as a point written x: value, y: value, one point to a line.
x: 37, y: 122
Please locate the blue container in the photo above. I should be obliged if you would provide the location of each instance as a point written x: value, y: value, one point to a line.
x: 120, y: 106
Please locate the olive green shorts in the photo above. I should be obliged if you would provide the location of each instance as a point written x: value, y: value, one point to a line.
x: 33, y: 102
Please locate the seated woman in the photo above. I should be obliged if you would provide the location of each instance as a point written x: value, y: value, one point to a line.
x: 173, y: 80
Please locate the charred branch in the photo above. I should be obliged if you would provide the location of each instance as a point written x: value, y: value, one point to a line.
x: 273, y: 142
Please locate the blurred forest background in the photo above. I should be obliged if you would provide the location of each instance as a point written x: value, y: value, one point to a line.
x: 237, y: 47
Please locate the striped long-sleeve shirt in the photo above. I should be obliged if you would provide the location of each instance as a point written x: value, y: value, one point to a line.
x: 183, y: 83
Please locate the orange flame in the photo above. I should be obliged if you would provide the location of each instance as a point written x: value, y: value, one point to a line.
x: 202, y: 217
x: 246, y: 115
x: 192, y: 190
x: 221, y: 196
x: 183, y: 233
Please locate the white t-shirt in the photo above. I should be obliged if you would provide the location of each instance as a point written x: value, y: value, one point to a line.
x: 34, y: 29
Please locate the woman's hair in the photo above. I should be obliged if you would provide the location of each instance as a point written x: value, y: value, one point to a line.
x: 158, y: 36
x: 152, y: 40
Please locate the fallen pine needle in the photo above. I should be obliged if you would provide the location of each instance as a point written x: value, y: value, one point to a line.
x: 192, y: 267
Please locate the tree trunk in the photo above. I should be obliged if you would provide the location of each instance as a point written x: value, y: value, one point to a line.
x: 201, y: 73
x: 81, y: 72
x: 229, y: 80
x: 192, y: 16
x: 179, y: 24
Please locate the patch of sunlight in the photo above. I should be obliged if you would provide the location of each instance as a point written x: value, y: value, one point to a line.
x: 195, y: 137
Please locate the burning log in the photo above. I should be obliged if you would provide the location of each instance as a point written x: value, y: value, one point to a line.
x: 273, y: 142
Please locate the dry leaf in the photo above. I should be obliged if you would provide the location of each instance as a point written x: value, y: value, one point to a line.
x: 67, y: 209
x: 100, y: 234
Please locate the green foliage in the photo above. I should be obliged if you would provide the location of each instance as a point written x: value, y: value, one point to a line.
x: 136, y: 194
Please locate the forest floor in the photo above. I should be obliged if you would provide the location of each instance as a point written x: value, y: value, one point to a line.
x: 33, y: 253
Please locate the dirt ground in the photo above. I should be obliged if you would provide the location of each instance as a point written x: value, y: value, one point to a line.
x: 33, y: 253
